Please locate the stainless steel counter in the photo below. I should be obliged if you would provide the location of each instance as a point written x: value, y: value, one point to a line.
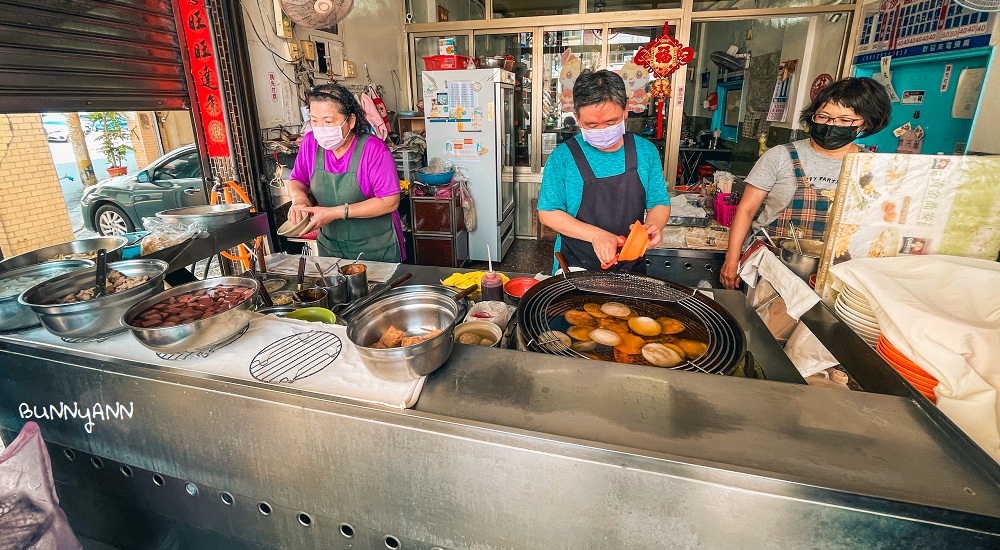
x: 506, y: 449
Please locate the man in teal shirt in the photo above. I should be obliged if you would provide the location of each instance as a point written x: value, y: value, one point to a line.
x: 598, y: 183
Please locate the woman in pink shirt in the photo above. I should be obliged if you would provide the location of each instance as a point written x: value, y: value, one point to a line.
x: 345, y: 180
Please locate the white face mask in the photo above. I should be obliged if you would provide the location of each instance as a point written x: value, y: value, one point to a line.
x: 604, y: 137
x: 329, y: 137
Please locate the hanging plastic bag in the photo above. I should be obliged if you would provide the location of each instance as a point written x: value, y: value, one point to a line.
x: 379, y: 126
x: 30, y: 516
x: 163, y: 234
x: 468, y: 205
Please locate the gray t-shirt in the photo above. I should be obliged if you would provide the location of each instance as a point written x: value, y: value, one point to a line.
x: 773, y: 173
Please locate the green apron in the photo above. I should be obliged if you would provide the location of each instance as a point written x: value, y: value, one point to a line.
x: 376, y: 237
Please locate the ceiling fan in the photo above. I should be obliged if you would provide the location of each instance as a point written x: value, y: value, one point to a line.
x: 980, y: 5
x: 316, y: 14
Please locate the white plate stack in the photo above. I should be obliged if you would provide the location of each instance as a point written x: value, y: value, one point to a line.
x: 853, y: 308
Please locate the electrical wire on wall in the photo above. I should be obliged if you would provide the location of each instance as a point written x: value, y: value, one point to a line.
x: 296, y: 64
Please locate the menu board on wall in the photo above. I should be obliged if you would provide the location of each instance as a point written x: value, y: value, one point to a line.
x: 903, y: 28
x: 894, y: 204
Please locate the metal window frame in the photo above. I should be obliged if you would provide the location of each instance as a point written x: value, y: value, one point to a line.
x: 682, y: 19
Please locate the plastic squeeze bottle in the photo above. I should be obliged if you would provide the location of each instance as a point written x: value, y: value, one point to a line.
x: 491, y: 283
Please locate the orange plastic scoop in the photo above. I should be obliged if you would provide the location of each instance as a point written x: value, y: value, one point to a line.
x: 636, y: 243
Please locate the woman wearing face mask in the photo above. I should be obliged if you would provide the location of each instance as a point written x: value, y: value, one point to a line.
x: 600, y: 182
x: 797, y: 182
x: 346, y: 181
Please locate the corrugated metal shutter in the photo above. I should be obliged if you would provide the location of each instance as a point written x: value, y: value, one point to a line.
x: 90, y: 55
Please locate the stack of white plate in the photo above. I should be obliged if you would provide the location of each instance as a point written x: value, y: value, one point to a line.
x: 853, y: 308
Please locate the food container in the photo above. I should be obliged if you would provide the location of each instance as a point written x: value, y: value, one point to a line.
x: 516, y: 287
x: 313, y: 315
x: 336, y: 293
x: 804, y: 264
x: 214, y: 217
x: 415, y: 313
x: 357, y: 280
x: 13, y: 314
x: 496, y: 62
x: 310, y: 297
x: 196, y: 335
x: 113, y: 245
x: 435, y: 178
x: 278, y: 311
x: 480, y: 329
x: 98, y: 317
x: 446, y: 62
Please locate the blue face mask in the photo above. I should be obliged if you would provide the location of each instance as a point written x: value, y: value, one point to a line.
x: 604, y: 137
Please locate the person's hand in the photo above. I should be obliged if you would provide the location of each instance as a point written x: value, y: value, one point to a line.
x: 729, y: 274
x: 297, y: 213
x: 605, y: 246
x: 321, y: 216
x: 655, y: 235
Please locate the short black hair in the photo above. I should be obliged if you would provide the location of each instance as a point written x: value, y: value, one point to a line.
x: 596, y: 87
x: 864, y: 96
x: 345, y: 101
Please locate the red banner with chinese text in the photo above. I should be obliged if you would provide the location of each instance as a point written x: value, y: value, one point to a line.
x: 204, y: 75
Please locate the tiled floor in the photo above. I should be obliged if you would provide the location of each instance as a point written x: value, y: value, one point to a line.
x: 524, y: 256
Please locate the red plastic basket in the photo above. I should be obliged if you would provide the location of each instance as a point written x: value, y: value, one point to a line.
x: 724, y: 212
x: 446, y: 62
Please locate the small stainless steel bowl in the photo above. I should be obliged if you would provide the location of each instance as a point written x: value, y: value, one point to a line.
x: 214, y: 217
x: 100, y: 316
x: 113, y: 245
x: 414, y: 313
x: 196, y: 335
x: 13, y: 314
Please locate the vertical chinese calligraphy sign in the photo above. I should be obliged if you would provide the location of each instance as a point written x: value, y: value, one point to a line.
x: 204, y: 75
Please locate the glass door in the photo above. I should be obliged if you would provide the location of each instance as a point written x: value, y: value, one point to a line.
x: 517, y: 46
x: 565, y: 55
x: 507, y: 156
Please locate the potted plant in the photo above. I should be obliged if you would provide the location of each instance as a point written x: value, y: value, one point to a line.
x: 113, y: 140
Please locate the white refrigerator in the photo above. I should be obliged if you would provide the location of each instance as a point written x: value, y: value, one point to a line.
x: 469, y: 119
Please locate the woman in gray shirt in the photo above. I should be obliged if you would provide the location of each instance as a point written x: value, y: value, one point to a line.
x: 796, y: 182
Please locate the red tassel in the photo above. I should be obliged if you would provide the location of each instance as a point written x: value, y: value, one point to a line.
x: 659, y: 121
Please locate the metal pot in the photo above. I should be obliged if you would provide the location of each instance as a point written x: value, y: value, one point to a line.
x: 113, y: 245
x: 414, y: 312
x: 804, y: 264
x: 197, y: 335
x: 214, y: 217
x: 13, y: 314
x: 336, y: 293
x: 98, y: 317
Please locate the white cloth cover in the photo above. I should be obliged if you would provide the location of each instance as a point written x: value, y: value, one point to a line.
x: 943, y: 313
x: 346, y: 377
x: 798, y: 297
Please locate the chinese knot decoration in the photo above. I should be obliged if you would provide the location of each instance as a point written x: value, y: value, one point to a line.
x: 662, y: 57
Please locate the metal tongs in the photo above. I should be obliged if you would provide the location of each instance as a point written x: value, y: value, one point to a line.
x: 102, y: 273
x: 300, y: 279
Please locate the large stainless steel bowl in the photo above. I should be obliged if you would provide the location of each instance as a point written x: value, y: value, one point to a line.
x: 415, y: 312
x: 804, y: 264
x: 196, y: 335
x: 214, y: 217
x: 463, y: 307
x: 13, y: 314
x: 113, y: 245
x: 93, y: 318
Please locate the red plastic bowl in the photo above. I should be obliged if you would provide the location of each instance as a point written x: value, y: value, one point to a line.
x: 515, y: 288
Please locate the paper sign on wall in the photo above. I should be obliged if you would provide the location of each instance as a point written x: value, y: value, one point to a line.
x: 463, y: 149
x: 945, y: 78
x: 778, y: 111
x: 970, y: 84
x: 913, y: 97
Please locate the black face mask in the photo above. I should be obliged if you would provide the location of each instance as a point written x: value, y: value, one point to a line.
x: 832, y: 137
